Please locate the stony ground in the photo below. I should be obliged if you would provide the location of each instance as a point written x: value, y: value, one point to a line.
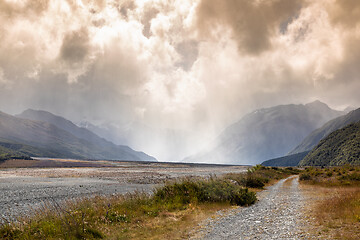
x: 277, y: 215
x: 25, y: 189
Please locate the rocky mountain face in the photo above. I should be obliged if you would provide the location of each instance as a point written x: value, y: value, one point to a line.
x: 266, y: 133
x: 53, y: 136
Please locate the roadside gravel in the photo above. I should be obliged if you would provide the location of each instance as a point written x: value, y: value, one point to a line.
x: 277, y: 215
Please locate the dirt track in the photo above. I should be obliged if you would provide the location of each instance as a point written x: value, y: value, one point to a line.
x: 277, y: 215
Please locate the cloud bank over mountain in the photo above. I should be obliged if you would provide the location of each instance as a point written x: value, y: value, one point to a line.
x: 183, y: 64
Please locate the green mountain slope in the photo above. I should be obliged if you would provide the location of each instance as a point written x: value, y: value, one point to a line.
x: 12, y: 151
x: 15, y: 150
x: 286, y: 161
x: 52, y: 141
x: 314, y: 138
x: 339, y: 148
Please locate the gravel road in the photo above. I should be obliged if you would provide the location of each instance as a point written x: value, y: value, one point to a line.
x: 277, y: 215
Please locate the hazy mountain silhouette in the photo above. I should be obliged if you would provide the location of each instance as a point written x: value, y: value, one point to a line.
x: 57, y: 137
x: 266, y: 133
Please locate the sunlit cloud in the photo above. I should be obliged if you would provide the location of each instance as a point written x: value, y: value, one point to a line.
x: 194, y: 66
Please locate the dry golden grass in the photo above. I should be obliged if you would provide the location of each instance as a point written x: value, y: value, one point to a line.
x: 169, y: 225
x: 339, y: 213
x: 333, y: 202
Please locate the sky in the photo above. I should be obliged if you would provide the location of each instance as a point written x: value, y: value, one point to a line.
x: 193, y: 66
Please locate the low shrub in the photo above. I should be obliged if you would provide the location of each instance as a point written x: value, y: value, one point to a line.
x: 213, y: 190
x: 305, y: 177
x: 255, y: 182
x: 259, y: 176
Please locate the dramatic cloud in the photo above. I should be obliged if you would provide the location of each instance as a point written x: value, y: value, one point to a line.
x: 176, y: 72
x: 253, y: 23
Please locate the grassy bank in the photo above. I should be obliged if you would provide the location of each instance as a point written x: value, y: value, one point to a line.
x: 170, y: 212
x: 337, y: 209
x: 332, y: 177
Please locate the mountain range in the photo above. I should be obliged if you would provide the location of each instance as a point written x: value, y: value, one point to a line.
x: 167, y: 144
x: 313, y: 139
x: 266, y: 133
x: 284, y: 134
x: 43, y: 134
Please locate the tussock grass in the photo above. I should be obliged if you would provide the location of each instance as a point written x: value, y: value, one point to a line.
x: 333, y: 176
x: 168, y: 213
x: 339, y: 214
x: 338, y: 211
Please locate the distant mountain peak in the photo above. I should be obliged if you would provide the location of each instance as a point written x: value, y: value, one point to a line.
x: 266, y: 133
x: 349, y: 109
x: 30, y: 111
x: 317, y: 104
x: 87, y: 144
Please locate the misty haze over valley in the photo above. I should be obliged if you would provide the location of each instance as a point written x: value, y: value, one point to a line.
x: 179, y: 119
x: 187, y: 78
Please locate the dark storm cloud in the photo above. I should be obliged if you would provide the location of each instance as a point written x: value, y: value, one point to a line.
x: 29, y: 9
x: 346, y: 13
x: 125, y: 7
x: 149, y: 14
x: 253, y: 23
x: 189, y: 51
x: 75, y: 46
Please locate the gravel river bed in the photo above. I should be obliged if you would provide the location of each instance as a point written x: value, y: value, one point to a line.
x: 25, y: 189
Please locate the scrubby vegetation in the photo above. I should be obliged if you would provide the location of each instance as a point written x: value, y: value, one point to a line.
x: 259, y: 176
x: 339, y: 148
x: 335, y: 176
x: 212, y: 190
x: 338, y: 211
x: 171, y: 207
x: 11, y: 150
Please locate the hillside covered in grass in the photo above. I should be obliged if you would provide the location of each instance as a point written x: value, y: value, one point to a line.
x: 315, y: 137
x: 13, y: 150
x: 339, y: 148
